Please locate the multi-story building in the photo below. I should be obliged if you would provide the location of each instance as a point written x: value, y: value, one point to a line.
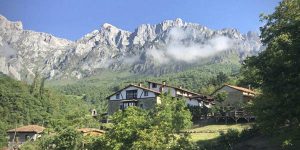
x: 148, y: 97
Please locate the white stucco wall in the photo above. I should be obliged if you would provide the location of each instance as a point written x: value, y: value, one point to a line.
x: 157, y: 89
x: 192, y: 102
x: 140, y: 93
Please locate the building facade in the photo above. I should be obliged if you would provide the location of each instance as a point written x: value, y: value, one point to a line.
x: 18, y: 136
x: 132, y: 95
x: 234, y: 104
x: 148, y: 97
x: 235, y: 95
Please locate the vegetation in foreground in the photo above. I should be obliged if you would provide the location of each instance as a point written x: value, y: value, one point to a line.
x: 213, y: 131
x: 132, y: 128
x: 22, y: 104
x: 275, y: 72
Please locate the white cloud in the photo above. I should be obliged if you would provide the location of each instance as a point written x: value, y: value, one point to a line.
x: 158, y: 55
x: 189, y: 52
x: 131, y: 59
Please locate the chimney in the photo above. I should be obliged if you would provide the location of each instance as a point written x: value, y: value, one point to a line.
x: 140, y: 84
x: 164, y: 82
x: 249, y: 86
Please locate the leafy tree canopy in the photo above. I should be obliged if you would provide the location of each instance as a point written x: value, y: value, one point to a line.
x: 276, y: 70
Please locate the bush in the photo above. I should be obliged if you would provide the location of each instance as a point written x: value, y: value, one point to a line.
x: 135, y: 128
x: 184, y: 143
x: 230, y: 138
x: 68, y: 139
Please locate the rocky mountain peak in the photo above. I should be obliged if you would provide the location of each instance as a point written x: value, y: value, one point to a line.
x: 160, y: 47
x: 167, y: 24
x: 109, y: 27
x: 9, y: 25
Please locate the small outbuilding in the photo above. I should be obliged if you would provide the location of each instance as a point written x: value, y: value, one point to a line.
x: 235, y: 94
x: 22, y: 134
x: 233, y: 105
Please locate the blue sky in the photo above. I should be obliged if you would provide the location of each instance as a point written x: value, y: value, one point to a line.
x: 72, y: 19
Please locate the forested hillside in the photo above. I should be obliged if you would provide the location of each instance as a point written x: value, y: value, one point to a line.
x: 23, y: 104
x: 204, y: 79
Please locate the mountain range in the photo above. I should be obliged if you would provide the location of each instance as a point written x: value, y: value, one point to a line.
x: 170, y: 46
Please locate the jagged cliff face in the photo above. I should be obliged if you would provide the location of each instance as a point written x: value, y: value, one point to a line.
x: 169, y: 46
x: 22, y: 52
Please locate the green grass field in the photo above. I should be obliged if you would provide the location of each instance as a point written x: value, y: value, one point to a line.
x: 208, y: 132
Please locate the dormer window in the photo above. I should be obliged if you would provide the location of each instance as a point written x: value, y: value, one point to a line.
x: 118, y: 96
x: 154, y: 85
x: 145, y: 93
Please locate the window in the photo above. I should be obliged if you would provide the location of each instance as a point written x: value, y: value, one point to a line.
x: 154, y: 85
x: 124, y: 105
x: 131, y: 94
x: 118, y: 96
x: 27, y: 137
x: 94, y: 112
x: 145, y: 93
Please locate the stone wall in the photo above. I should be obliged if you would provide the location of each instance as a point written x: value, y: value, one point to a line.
x: 145, y: 103
x: 113, y: 106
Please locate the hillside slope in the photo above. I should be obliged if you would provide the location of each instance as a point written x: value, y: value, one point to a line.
x: 20, y: 104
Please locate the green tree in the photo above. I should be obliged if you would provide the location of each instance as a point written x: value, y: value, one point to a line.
x: 135, y: 128
x: 127, y: 124
x: 35, y: 85
x: 18, y: 106
x: 276, y: 70
x: 67, y: 139
x: 220, y: 79
x: 3, y: 128
x: 183, y: 143
x: 221, y: 97
x: 172, y: 114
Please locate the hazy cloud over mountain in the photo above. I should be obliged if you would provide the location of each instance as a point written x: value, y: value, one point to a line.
x: 181, y: 48
x: 7, y: 51
x: 173, y: 43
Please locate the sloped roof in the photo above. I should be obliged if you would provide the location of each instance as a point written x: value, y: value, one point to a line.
x: 141, y: 87
x: 185, y: 90
x: 236, y: 88
x: 209, y: 98
x: 242, y: 89
x: 28, y: 128
x: 86, y: 130
x: 91, y: 132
